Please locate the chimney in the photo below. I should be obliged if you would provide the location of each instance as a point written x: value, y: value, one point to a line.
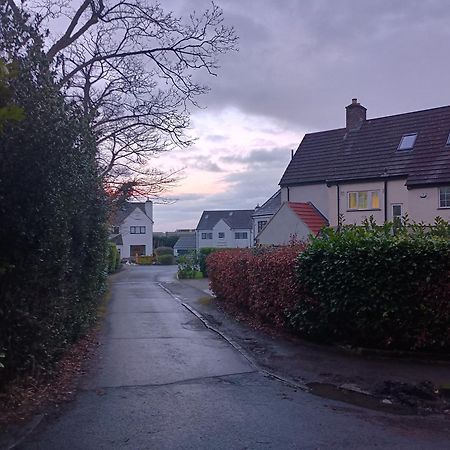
x: 355, y: 115
x: 149, y: 208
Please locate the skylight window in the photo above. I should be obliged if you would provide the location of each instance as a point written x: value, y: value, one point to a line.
x: 448, y: 140
x: 407, y: 142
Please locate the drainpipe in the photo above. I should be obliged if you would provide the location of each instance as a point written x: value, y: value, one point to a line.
x: 338, y: 206
x: 385, y: 201
x: 288, y: 194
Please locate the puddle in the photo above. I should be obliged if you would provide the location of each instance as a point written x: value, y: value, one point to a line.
x: 333, y: 392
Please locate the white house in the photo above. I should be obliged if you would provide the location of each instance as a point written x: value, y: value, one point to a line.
x: 226, y: 229
x: 263, y: 214
x: 292, y: 221
x: 132, y: 229
x: 384, y: 167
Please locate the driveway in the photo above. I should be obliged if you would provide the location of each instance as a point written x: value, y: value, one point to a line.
x: 162, y: 380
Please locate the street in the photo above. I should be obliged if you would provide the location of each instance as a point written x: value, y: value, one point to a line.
x: 162, y: 380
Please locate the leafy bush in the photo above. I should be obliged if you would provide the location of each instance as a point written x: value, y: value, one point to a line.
x: 385, y: 287
x: 145, y: 260
x: 261, y: 282
x: 113, y: 258
x: 53, y: 261
x: 203, y: 256
x: 188, y: 266
x: 165, y: 260
x: 164, y: 251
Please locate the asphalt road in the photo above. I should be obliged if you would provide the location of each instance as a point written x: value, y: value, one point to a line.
x: 162, y: 380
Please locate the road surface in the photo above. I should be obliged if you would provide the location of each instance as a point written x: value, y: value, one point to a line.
x: 162, y: 380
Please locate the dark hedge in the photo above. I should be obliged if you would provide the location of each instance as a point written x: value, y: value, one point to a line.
x: 377, y: 287
x: 52, y: 209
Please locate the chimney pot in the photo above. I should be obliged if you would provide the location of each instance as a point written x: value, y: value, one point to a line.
x: 355, y: 115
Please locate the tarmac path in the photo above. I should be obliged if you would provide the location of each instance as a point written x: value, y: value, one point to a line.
x: 162, y: 380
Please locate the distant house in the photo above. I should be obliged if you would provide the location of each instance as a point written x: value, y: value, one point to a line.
x: 265, y: 212
x: 185, y: 244
x: 132, y: 229
x: 383, y: 167
x: 226, y: 229
x: 292, y: 221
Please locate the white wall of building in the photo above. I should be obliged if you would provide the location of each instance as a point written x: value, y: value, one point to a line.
x: 284, y: 225
x: 227, y: 241
x: 136, y: 219
x: 317, y: 194
x: 257, y: 219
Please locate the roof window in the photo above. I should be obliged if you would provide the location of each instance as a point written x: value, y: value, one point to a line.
x: 407, y: 141
x: 448, y: 139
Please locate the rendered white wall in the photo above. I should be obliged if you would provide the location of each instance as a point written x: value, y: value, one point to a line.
x: 283, y: 227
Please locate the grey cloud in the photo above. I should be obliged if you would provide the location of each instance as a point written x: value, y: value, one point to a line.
x: 302, y: 62
x: 262, y: 157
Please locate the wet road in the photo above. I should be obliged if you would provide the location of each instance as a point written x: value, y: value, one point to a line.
x: 162, y: 380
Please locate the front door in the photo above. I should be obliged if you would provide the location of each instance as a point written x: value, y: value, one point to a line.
x: 136, y: 251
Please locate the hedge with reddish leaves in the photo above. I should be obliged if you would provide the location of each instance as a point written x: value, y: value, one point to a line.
x: 261, y: 282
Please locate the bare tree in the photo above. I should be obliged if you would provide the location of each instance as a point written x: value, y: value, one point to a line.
x: 133, y: 68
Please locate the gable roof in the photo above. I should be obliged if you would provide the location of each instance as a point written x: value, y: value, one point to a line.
x: 186, y: 242
x: 309, y: 215
x: 270, y: 207
x: 371, y: 152
x: 117, y: 239
x: 234, y: 218
x: 125, y: 210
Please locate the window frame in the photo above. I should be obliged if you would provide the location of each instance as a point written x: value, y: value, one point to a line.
x: 400, y: 149
x: 237, y: 235
x: 221, y: 235
x: 370, y: 198
x: 447, y: 197
x: 261, y: 227
x: 138, y: 229
x: 206, y: 236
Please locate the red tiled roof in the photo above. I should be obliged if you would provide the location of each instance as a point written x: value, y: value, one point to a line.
x: 309, y: 215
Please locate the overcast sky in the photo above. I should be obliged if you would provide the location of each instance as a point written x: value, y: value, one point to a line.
x: 299, y: 64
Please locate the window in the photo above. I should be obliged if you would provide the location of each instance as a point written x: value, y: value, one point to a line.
x: 364, y: 200
x: 407, y: 141
x: 116, y: 230
x: 448, y: 140
x: 221, y: 235
x: 444, y: 197
x: 397, y: 211
x: 206, y: 235
x: 241, y: 235
x: 137, y: 230
x: 261, y: 224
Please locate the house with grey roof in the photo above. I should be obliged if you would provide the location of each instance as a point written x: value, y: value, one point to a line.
x: 383, y: 167
x: 225, y: 229
x: 132, y: 229
x: 262, y: 214
x: 185, y: 244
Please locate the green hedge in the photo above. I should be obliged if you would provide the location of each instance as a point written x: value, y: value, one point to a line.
x: 377, y: 287
x: 164, y: 251
x: 145, y: 260
x: 202, y: 257
x: 113, y: 258
x: 53, y: 213
x: 165, y: 260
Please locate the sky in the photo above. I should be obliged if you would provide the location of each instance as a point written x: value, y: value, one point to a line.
x: 300, y: 62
